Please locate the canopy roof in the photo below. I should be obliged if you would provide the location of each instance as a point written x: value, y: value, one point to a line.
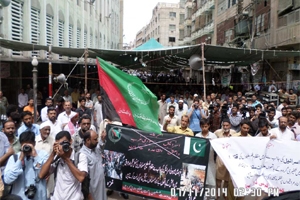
x: 168, y: 57
x: 151, y: 44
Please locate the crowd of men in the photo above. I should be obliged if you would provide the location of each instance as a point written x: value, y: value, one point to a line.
x: 60, y: 156
x: 228, y: 115
x: 56, y: 157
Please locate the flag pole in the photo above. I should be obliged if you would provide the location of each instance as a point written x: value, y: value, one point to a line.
x: 203, y: 71
x: 86, y: 54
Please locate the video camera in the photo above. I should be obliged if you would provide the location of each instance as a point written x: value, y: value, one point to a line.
x: 224, y: 110
x: 244, y: 110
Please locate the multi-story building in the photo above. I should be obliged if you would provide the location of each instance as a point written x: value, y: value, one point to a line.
x: 187, y: 23
x: 163, y: 26
x: 203, y: 21
x: 262, y: 24
x: 67, y: 23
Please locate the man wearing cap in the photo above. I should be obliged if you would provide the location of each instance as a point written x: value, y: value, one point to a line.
x: 45, y: 142
x: 181, y: 109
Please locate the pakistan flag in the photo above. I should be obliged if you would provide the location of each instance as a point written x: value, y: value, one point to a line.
x: 194, y: 147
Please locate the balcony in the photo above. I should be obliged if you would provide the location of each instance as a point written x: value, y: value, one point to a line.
x: 209, y: 28
x: 208, y: 7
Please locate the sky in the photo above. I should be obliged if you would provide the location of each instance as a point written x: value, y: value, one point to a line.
x: 137, y: 14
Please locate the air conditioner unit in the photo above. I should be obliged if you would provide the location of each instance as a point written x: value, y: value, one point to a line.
x: 246, y: 13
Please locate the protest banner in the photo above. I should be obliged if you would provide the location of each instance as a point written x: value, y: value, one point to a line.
x: 260, y: 164
x: 159, y: 166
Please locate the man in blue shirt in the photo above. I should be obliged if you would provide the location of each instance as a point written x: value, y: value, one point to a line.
x: 22, y: 170
x: 26, y: 117
x: 195, y: 114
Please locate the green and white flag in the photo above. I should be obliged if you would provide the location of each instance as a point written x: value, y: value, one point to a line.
x: 194, y: 147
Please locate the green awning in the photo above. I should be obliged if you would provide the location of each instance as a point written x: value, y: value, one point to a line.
x: 173, y: 57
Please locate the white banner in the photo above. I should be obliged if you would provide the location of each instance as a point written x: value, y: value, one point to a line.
x: 260, y: 163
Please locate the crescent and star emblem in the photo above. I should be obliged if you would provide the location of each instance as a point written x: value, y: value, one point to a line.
x: 195, y: 147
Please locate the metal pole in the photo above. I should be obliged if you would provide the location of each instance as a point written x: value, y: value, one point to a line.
x: 85, y: 74
x: 203, y: 71
x: 34, y: 74
x: 50, y: 71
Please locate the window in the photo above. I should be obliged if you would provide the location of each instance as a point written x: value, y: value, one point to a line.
x: 78, y: 38
x: 35, y: 31
x: 91, y: 41
x: 181, y: 34
x: 258, y: 22
x: 172, y: 27
x: 70, y: 35
x: 85, y: 39
x: 49, y: 29
x: 16, y: 23
x: 172, y: 14
x: 61, y: 31
x: 158, y: 29
x: 233, y: 2
x: 181, y: 20
x: 172, y: 39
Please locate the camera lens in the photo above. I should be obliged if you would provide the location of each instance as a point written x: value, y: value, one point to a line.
x: 65, y: 146
x: 27, y: 149
x: 30, y: 192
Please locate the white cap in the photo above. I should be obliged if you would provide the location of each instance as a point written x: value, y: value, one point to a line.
x: 180, y: 101
x: 44, y: 124
x: 195, y: 95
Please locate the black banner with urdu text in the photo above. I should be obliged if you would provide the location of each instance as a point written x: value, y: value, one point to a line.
x: 166, y: 166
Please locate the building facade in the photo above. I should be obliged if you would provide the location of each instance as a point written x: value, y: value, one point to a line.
x: 163, y: 26
x: 254, y: 24
x: 67, y: 23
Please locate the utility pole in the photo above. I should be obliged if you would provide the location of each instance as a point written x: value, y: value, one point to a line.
x: 50, y: 71
x: 203, y: 71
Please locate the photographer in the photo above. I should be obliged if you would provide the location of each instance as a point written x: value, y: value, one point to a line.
x: 22, y: 170
x: 195, y: 114
x: 68, y: 176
